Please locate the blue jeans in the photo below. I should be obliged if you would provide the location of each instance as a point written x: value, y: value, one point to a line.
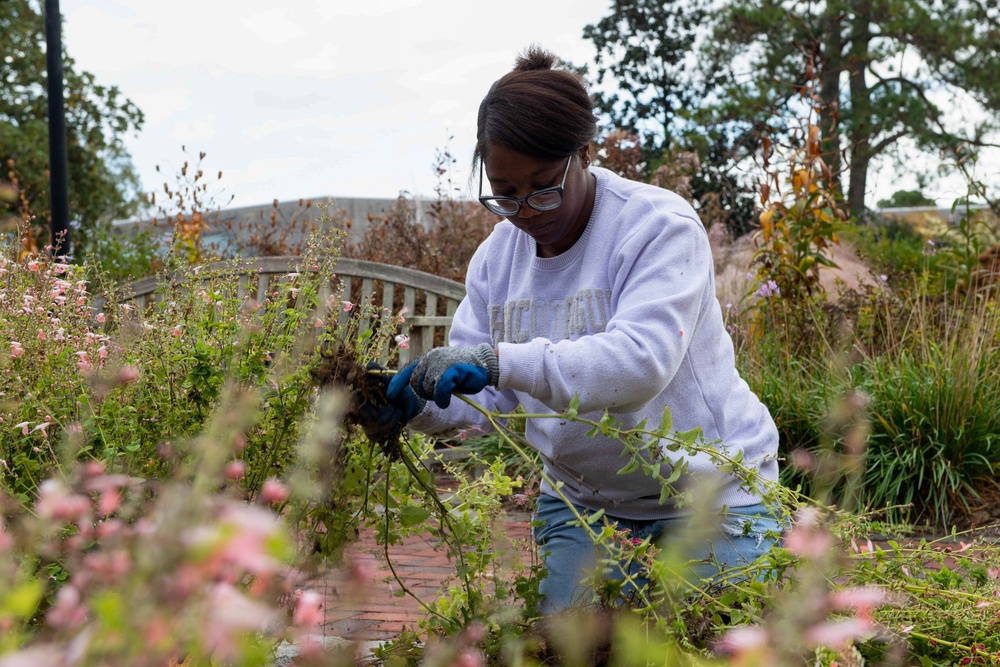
x: 569, y: 553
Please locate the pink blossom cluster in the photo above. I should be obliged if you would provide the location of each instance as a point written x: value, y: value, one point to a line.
x: 198, y: 573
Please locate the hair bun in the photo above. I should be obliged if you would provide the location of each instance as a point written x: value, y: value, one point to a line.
x: 535, y: 57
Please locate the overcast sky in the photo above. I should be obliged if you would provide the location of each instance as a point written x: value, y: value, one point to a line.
x: 315, y: 98
x: 307, y: 98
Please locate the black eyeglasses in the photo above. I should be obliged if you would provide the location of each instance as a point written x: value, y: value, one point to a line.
x: 540, y: 200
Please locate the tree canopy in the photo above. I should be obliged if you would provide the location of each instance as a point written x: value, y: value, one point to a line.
x: 102, y: 181
x: 889, y: 70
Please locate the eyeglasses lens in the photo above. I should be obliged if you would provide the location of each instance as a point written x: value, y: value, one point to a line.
x: 545, y: 201
x: 502, y: 206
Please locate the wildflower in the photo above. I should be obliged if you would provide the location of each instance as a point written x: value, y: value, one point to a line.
x: 348, y: 306
x: 33, y: 265
x: 308, y: 608
x: 273, y: 492
x: 293, y: 274
x: 236, y: 469
x: 102, y: 352
x: 743, y: 639
x: 109, y: 501
x: 466, y: 433
x: 42, y: 427
x: 67, y: 612
x: 128, y: 374
x: 839, y: 633
x: 768, y: 289
x: 15, y: 349
x: 403, y: 341
x: 808, y: 538
x: 883, y: 277
x: 56, y: 501
x: 100, y: 318
x: 318, y: 323
x: 176, y: 332
x: 860, y: 599
x: 23, y: 426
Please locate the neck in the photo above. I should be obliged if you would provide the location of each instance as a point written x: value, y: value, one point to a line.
x: 582, y: 218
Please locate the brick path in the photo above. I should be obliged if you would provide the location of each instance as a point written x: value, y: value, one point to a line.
x: 360, y: 604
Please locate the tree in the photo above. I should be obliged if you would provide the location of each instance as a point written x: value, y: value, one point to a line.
x: 102, y: 181
x: 889, y: 70
x: 649, y: 84
x: 906, y: 199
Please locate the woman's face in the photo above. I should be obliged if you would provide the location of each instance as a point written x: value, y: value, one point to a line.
x: 514, y: 174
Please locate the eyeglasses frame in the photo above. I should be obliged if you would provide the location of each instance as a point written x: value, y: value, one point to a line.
x: 558, y: 188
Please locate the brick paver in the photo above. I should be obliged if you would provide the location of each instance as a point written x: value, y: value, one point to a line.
x: 360, y: 599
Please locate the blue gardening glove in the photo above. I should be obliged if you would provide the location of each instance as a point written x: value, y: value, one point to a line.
x: 437, y: 373
x: 383, y: 418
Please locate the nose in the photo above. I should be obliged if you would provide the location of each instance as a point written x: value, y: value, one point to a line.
x: 527, y: 213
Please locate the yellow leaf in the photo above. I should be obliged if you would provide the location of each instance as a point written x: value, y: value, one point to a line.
x: 765, y: 218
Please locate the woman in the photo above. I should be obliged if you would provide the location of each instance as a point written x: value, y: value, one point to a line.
x: 602, y: 289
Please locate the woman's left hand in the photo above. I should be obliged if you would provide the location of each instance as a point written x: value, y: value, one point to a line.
x: 439, y: 372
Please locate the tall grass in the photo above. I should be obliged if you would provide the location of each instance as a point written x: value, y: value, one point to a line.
x: 935, y: 394
x: 930, y: 368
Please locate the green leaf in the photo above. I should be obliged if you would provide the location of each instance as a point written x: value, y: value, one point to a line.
x: 22, y: 601
x: 667, y: 423
x: 630, y: 467
x: 574, y: 407
x: 411, y: 515
x: 595, y: 517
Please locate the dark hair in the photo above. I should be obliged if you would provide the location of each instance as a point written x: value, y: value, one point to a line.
x: 536, y: 110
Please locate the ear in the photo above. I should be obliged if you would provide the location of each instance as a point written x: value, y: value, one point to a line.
x: 584, y: 154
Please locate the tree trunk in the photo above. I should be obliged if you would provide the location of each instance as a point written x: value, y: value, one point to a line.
x: 831, y: 62
x: 859, y: 59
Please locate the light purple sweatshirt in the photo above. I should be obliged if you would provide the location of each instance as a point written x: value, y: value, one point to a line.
x: 626, y: 320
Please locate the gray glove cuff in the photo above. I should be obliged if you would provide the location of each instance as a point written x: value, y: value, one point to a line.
x: 488, y: 358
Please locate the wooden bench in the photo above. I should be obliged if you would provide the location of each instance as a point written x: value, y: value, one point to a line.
x: 430, y: 300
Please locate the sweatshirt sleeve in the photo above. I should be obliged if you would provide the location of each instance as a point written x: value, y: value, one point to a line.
x: 470, y: 327
x: 660, y: 276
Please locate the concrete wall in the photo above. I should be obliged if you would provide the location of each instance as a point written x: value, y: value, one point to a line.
x: 226, y: 226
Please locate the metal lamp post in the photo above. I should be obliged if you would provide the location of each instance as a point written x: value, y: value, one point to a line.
x: 58, y: 162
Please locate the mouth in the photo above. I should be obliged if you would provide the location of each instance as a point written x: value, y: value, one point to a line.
x: 534, y: 228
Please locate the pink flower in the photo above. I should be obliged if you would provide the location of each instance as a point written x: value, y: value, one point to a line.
x: 839, y: 633
x: 176, y: 333
x: 15, y: 349
x: 67, y: 612
x: 466, y: 433
x: 23, y: 426
x: 403, y: 341
x: 469, y: 658
x: 42, y: 427
x: 273, y: 492
x: 33, y: 265
x: 109, y: 501
x: 861, y: 599
x: 56, y: 501
x: 236, y: 470
x: 128, y: 374
x: 742, y: 639
x: 808, y: 538
x: 102, y: 352
x: 100, y: 318
x: 308, y: 608
x: 348, y: 306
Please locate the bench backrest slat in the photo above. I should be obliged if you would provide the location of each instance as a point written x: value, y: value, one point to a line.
x: 425, y: 291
